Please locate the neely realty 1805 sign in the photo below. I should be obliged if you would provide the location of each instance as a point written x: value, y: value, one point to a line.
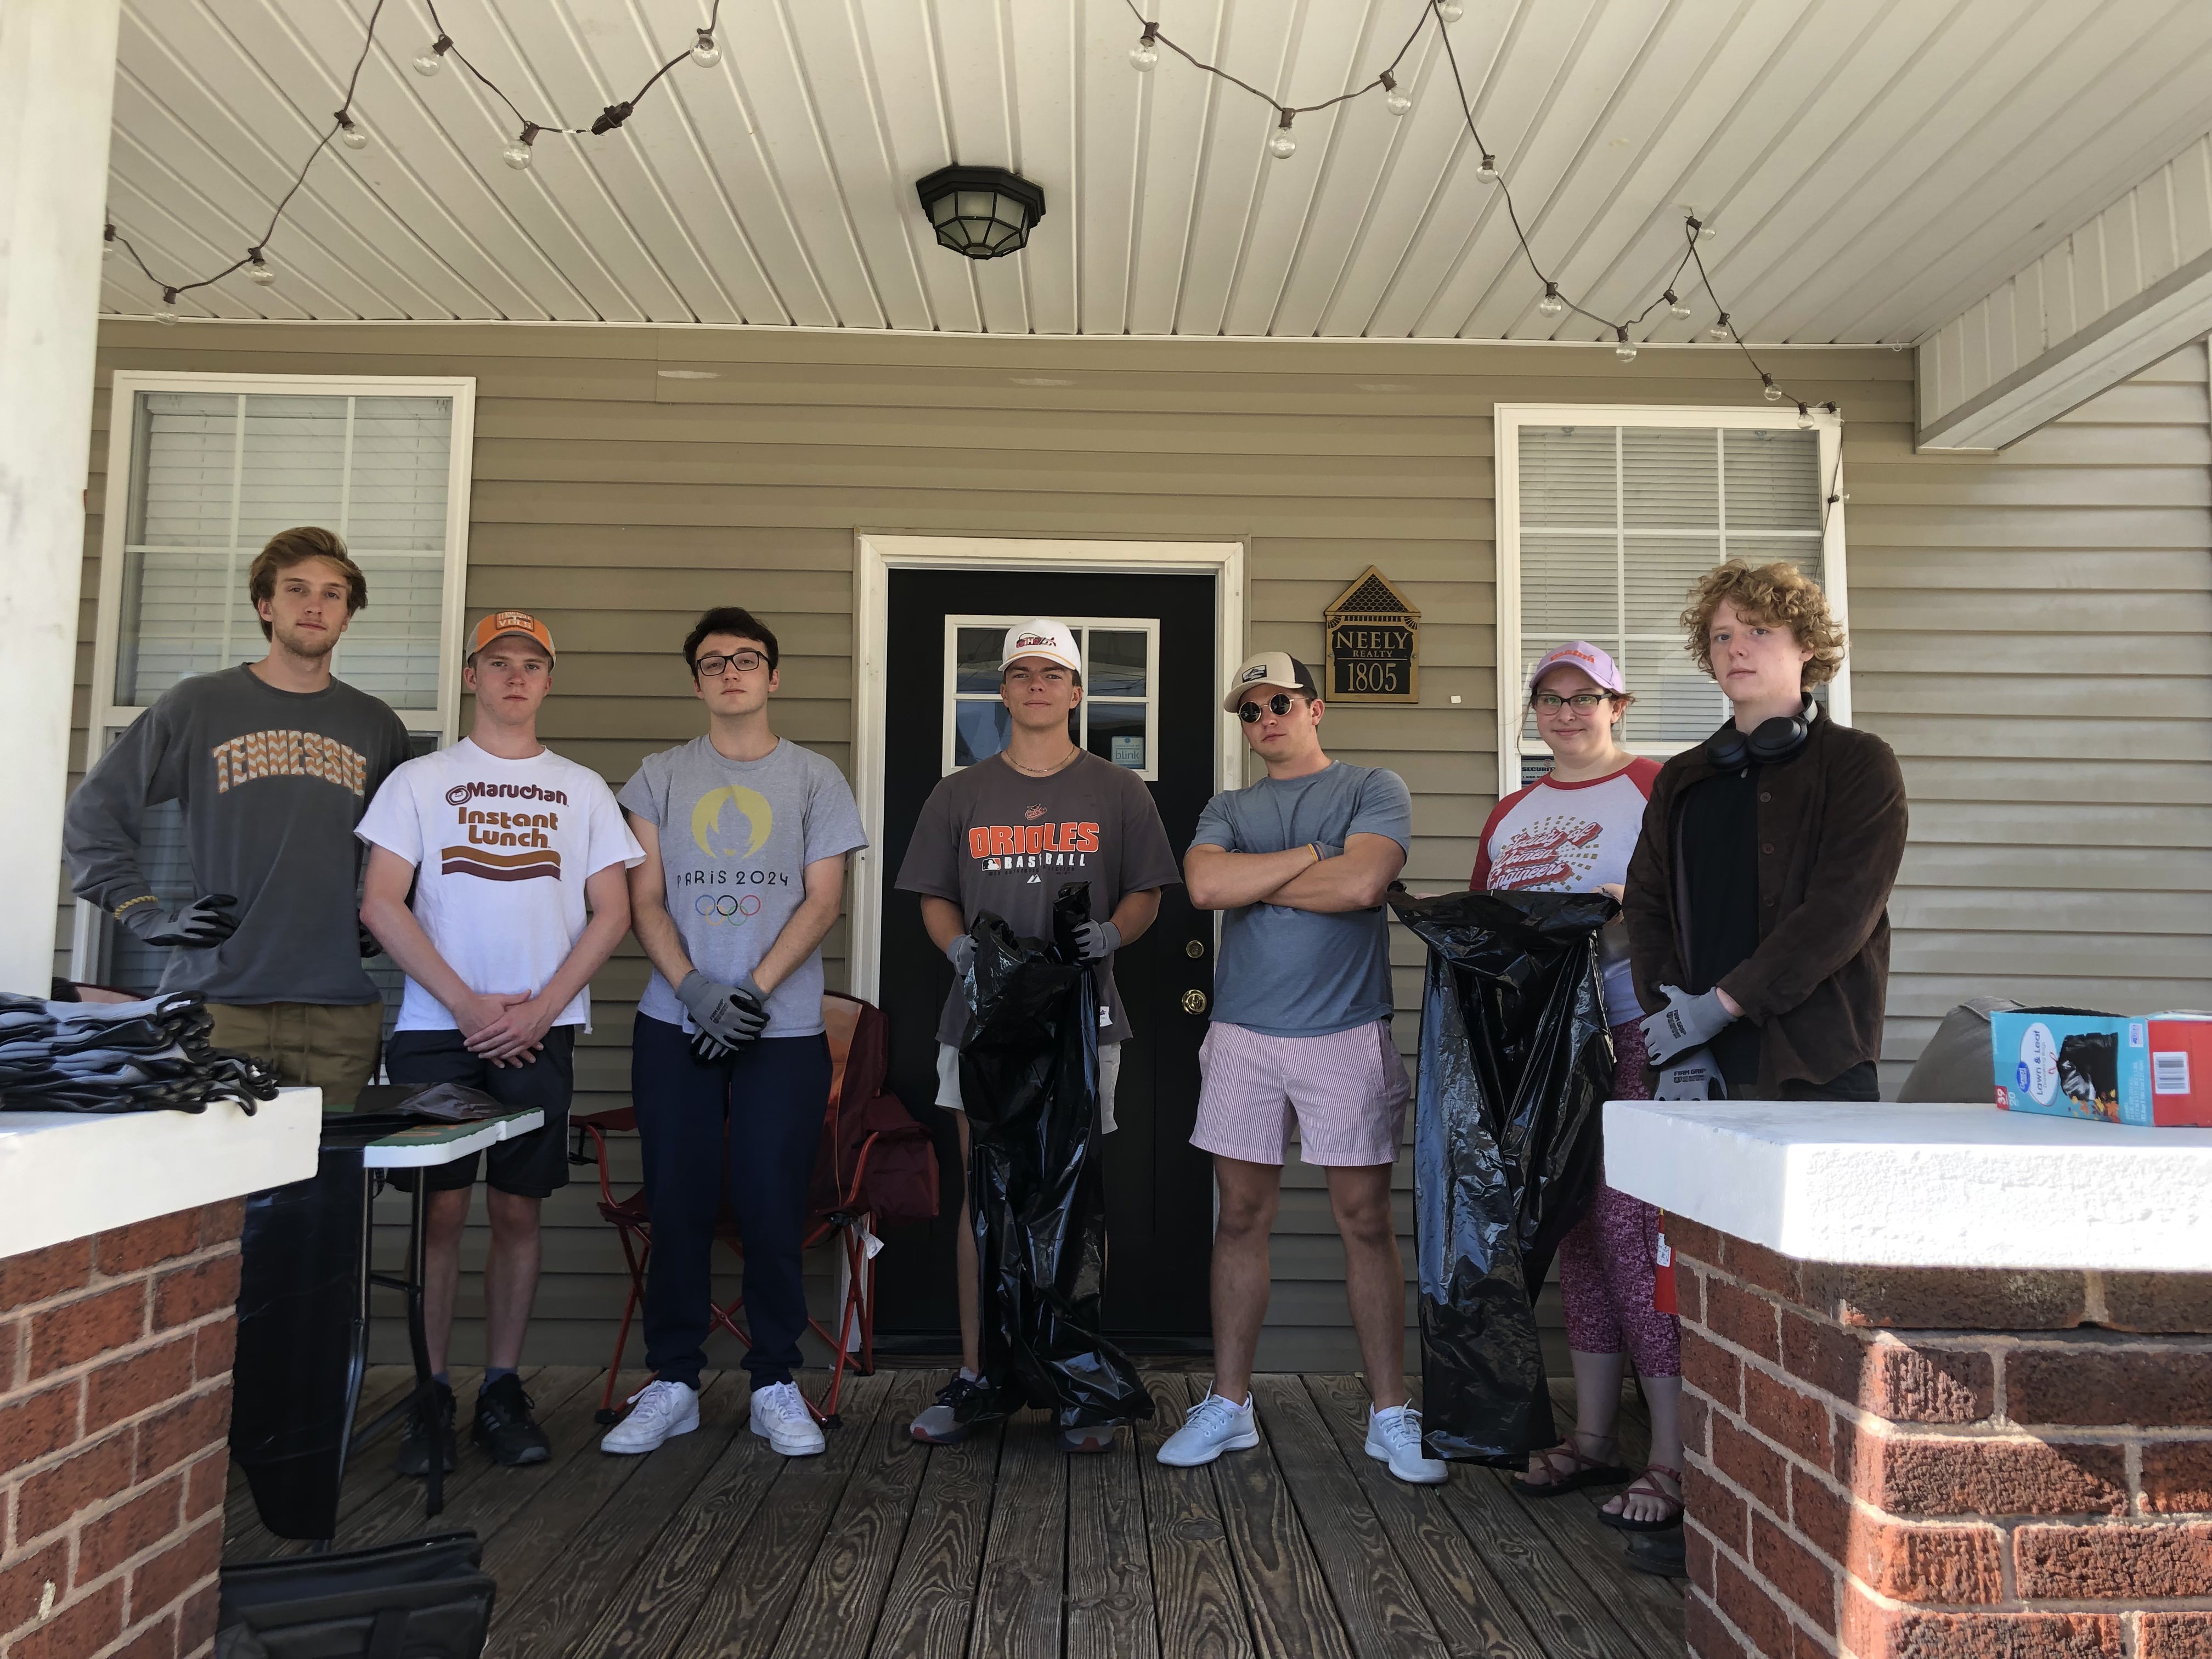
x: 1374, y: 644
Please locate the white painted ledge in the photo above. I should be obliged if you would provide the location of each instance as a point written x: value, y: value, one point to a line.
x: 1921, y: 1185
x: 67, y: 1175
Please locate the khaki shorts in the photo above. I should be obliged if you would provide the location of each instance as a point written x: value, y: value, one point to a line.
x: 326, y: 1046
x: 1110, y: 1078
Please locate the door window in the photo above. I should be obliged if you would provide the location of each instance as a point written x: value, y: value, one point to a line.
x: 1117, y: 721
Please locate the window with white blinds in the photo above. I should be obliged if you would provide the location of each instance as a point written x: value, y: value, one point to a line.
x: 1607, y: 519
x: 204, y: 471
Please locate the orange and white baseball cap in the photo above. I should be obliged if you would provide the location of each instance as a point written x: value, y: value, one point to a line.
x: 510, y: 621
x: 1040, y: 636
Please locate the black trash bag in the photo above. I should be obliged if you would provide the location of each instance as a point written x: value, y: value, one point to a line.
x: 302, y: 1342
x: 423, y: 1598
x: 1028, y: 1075
x: 1517, y: 1062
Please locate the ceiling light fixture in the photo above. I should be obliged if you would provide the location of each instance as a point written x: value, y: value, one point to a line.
x: 982, y: 212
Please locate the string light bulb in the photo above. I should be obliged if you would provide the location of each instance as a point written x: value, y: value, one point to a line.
x: 704, y: 52
x: 1144, y: 57
x: 1551, y: 305
x: 1393, y: 100
x: 517, y: 155
x: 1773, y: 391
x: 349, y: 134
x: 1675, y: 308
x: 258, y: 268
x: 1282, y: 146
x: 1449, y: 10
x: 1488, y: 171
x: 1722, y: 328
x: 1621, y: 347
x: 434, y: 56
x: 167, y: 315
x: 1804, y: 418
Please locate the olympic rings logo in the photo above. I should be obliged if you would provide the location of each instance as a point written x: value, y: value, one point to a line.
x: 716, y: 906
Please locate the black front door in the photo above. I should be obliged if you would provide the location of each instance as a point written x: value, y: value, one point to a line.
x: 1151, y: 694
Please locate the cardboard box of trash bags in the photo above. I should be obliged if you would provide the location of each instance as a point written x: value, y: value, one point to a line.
x: 2147, y: 1070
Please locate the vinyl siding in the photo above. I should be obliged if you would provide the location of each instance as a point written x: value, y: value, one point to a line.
x: 616, y: 502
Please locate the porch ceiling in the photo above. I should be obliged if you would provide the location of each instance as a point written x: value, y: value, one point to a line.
x: 1870, y: 166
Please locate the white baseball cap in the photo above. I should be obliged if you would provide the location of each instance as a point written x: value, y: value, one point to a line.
x: 1040, y: 636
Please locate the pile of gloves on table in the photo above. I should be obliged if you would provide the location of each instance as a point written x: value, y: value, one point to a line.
x: 120, y: 1057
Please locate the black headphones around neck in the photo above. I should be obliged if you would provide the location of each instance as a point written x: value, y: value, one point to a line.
x: 1771, y: 742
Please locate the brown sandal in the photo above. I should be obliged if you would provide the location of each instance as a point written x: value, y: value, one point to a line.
x: 1581, y: 1472
x: 1645, y: 1486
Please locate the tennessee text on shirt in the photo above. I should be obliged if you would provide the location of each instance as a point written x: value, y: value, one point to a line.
x: 288, y: 755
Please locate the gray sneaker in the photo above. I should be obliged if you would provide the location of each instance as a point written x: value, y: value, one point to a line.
x: 945, y: 1423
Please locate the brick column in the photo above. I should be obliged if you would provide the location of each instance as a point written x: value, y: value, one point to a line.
x: 1888, y: 1463
x: 115, y: 1356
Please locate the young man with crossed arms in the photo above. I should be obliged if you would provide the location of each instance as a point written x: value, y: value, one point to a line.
x: 1299, y: 860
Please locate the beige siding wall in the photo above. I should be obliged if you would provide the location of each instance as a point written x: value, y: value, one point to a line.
x: 617, y: 498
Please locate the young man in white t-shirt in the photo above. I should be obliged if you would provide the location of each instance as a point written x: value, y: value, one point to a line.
x: 518, y: 863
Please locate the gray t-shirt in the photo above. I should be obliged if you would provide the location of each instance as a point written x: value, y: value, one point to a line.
x: 736, y: 837
x: 271, y: 784
x: 1300, y: 973
x: 991, y: 838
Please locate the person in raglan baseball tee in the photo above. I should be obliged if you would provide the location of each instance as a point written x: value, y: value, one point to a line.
x: 496, y: 880
x: 273, y: 763
x: 745, y: 836
x: 1004, y: 835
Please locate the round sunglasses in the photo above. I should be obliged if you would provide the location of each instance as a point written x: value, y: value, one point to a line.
x: 1278, y: 704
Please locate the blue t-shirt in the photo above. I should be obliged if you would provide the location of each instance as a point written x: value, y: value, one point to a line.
x: 1300, y: 973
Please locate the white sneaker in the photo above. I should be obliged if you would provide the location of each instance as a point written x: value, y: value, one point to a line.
x: 658, y: 1411
x: 1210, y: 1428
x: 1394, y: 1437
x: 781, y: 1418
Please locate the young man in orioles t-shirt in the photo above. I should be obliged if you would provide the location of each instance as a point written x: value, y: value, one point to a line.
x: 1005, y: 836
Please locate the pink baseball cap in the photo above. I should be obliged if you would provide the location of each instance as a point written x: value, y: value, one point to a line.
x: 1580, y: 653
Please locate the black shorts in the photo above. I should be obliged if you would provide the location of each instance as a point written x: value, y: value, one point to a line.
x: 535, y: 1165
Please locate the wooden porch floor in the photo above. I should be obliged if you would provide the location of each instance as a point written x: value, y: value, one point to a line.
x: 714, y: 1545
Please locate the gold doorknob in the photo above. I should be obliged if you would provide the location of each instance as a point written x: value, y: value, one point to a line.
x: 1193, y: 1002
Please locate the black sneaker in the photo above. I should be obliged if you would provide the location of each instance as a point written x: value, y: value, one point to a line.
x: 945, y: 1423
x: 504, y: 1426
x: 414, y: 1445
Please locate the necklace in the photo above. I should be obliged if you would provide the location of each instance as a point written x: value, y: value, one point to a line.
x: 1073, y: 754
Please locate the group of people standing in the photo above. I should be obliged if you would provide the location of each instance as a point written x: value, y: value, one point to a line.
x: 1749, y: 957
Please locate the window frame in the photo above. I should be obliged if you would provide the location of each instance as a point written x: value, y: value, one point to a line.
x: 1148, y: 626
x: 105, y: 717
x: 1511, y: 418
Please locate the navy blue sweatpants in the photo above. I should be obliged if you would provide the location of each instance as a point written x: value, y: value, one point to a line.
x: 758, y: 1119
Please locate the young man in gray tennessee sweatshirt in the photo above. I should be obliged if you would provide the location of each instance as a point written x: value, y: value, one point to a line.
x: 272, y: 764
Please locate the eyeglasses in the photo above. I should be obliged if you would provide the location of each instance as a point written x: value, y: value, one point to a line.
x: 1549, y: 702
x: 740, y: 662
x: 1278, y: 704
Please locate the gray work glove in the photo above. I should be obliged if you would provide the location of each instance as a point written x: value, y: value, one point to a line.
x: 1686, y: 1023
x: 1693, y: 1077
x: 728, y: 1016
x: 1098, y: 940
x: 961, y: 953
x: 196, y: 925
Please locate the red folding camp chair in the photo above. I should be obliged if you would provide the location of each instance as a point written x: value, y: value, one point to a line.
x: 877, y: 1166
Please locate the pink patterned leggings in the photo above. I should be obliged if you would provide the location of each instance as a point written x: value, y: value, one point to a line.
x: 1606, y: 1260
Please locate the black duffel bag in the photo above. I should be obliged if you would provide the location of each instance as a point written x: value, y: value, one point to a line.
x: 426, y: 1598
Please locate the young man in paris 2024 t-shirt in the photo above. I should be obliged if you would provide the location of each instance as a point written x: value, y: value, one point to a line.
x: 515, y: 858
x: 1004, y: 835
x: 745, y: 836
x: 1299, y: 861
x: 272, y: 763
